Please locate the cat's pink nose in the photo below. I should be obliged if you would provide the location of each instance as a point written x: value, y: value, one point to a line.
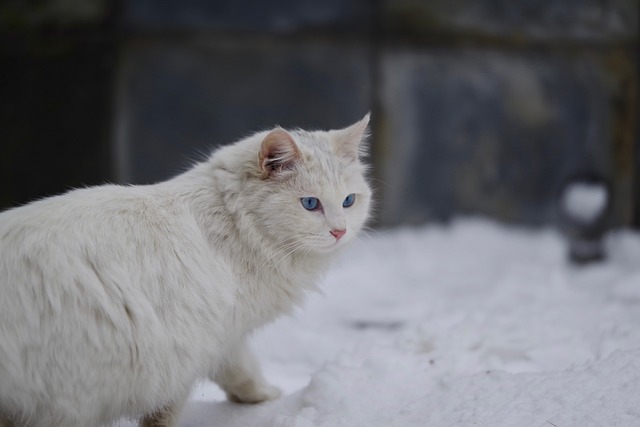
x: 338, y: 233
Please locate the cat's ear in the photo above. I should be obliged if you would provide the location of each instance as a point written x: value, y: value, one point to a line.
x: 349, y: 142
x: 278, y: 153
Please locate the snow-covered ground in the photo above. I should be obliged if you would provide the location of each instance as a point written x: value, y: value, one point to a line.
x: 474, y: 324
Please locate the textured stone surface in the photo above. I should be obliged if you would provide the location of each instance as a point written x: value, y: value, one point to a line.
x: 179, y: 100
x: 519, y: 20
x: 24, y: 14
x: 494, y: 134
x: 249, y: 16
x: 55, y: 107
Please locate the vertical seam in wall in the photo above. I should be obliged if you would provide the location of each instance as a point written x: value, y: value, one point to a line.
x: 635, y: 220
x: 375, y: 54
x: 121, y: 144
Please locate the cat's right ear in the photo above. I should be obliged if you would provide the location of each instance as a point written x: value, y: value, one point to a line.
x: 348, y: 142
x: 278, y: 153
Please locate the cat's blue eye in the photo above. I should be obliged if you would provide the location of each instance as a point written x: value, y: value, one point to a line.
x: 310, y: 203
x: 349, y: 200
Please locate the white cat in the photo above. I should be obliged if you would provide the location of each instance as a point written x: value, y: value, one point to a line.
x: 115, y: 300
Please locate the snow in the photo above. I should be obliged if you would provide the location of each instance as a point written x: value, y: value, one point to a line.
x: 585, y: 202
x: 470, y: 324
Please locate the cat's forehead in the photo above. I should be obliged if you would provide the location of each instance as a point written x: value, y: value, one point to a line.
x: 323, y: 170
x: 318, y: 147
x: 319, y: 152
x: 313, y: 140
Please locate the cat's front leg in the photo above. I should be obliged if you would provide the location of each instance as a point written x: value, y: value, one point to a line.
x: 167, y: 416
x: 241, y: 379
x: 5, y: 422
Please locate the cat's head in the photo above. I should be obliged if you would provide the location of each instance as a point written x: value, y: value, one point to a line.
x: 312, y: 185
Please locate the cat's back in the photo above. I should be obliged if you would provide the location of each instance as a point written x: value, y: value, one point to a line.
x: 108, y: 239
x: 73, y: 210
x: 92, y: 218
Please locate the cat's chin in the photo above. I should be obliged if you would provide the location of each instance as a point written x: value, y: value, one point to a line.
x: 329, y: 248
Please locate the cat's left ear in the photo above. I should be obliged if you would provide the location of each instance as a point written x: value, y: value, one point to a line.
x: 278, y: 153
x: 350, y: 141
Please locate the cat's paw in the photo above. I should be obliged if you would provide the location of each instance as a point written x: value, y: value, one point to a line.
x: 255, y: 394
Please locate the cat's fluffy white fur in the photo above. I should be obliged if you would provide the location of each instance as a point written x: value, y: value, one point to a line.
x: 114, y: 300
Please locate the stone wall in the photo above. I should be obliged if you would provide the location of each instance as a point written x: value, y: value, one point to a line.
x: 57, y: 77
x: 489, y: 107
x: 480, y: 107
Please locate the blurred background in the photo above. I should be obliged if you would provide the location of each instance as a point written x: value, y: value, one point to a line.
x: 480, y: 107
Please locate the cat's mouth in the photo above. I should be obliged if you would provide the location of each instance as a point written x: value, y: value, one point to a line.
x: 331, y: 245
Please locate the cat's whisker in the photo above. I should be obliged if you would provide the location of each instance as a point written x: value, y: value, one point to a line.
x: 367, y: 231
x: 386, y: 184
x: 283, y: 251
x: 364, y: 236
x: 288, y: 254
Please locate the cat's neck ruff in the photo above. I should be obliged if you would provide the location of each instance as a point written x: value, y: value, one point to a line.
x: 266, y: 266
